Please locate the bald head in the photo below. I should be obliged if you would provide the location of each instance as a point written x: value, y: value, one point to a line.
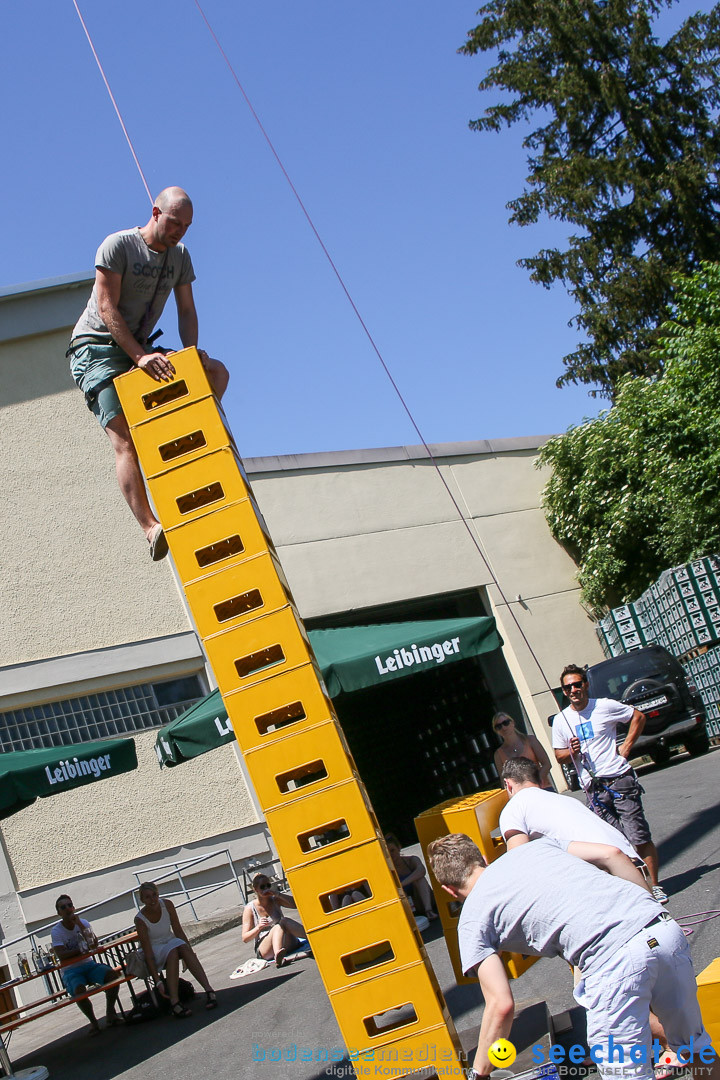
x: 172, y: 197
x: 172, y: 215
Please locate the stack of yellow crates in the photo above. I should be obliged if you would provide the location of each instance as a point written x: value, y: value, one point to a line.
x: 477, y: 816
x: 708, y: 984
x: 386, y: 999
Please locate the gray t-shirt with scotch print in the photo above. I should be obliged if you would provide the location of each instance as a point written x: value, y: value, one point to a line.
x: 148, y: 278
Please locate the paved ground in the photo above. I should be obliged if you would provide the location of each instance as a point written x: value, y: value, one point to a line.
x: 287, y: 1011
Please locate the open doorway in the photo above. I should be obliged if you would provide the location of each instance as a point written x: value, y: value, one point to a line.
x: 426, y: 738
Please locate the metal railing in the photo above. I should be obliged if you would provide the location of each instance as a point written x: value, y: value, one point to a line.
x: 176, y: 871
x: 172, y: 870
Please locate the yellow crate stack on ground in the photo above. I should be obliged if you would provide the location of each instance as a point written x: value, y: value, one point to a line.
x: 708, y: 984
x: 371, y: 958
x: 477, y: 816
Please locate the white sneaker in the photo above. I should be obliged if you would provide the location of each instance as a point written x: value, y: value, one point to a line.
x: 659, y: 894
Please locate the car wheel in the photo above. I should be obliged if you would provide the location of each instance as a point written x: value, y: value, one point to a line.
x: 698, y: 744
x: 660, y: 754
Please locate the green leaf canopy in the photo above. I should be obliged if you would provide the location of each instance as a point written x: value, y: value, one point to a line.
x: 638, y: 489
x: 620, y: 125
x: 350, y: 658
x: 27, y: 775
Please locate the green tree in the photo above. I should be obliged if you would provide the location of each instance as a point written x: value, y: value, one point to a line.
x: 638, y: 489
x: 624, y: 149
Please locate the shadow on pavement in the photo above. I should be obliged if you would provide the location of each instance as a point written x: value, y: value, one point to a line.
x: 463, y: 999
x: 529, y: 1026
x: 84, y: 1057
x: 678, y: 882
x: 699, y: 825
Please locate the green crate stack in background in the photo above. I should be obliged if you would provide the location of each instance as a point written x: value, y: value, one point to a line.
x: 680, y: 611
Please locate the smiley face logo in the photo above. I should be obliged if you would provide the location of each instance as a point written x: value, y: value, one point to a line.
x: 502, y: 1053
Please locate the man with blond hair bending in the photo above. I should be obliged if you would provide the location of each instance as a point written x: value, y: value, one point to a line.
x: 539, y: 900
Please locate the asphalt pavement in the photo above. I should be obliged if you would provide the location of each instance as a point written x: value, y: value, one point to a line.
x: 279, y: 1023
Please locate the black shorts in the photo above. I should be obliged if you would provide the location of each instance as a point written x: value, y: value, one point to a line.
x: 618, y: 800
x: 258, y: 939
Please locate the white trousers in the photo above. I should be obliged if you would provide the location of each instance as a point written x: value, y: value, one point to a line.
x: 652, y: 971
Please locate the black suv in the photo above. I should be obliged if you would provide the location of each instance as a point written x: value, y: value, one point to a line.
x: 654, y: 682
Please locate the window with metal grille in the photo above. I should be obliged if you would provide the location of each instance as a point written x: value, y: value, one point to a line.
x: 98, y: 716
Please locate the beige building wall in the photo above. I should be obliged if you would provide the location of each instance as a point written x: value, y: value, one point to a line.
x: 84, y: 610
x: 364, y: 528
x: 76, y: 574
x: 129, y: 817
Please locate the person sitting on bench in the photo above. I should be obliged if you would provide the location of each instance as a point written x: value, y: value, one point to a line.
x: 164, y: 944
x: 72, y: 938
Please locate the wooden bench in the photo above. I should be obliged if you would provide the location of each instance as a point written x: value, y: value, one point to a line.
x: 117, y: 945
x: 53, y: 1002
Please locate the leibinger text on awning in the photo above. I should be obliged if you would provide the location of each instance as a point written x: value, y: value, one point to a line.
x: 70, y: 770
x: 424, y: 654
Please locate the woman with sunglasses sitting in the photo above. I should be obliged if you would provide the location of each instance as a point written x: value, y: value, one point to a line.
x: 514, y: 744
x: 273, y: 934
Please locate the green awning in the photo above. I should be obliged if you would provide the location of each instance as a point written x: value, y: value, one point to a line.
x: 350, y: 658
x: 27, y: 775
x: 355, y: 657
x: 204, y: 726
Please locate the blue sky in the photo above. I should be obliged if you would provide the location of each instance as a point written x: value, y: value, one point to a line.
x: 368, y: 106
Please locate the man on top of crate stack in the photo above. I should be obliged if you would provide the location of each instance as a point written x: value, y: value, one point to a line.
x: 135, y: 271
x: 585, y: 734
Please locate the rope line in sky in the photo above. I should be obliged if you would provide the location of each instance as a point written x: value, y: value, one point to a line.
x: 475, y: 540
x: 115, y: 104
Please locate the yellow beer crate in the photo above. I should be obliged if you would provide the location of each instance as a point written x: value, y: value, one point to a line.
x: 182, y: 435
x: 477, y: 815
x: 238, y: 594
x: 278, y: 706
x: 391, y: 1007
x: 199, y: 487
x: 326, y: 822
x: 142, y: 397
x: 436, y: 1053
x: 297, y: 765
x: 257, y: 649
x: 319, y: 887
x: 366, y: 945
x: 708, y: 984
x: 218, y: 540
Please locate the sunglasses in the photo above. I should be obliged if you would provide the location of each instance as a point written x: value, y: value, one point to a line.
x: 502, y: 724
x: 263, y: 884
x: 61, y: 907
x: 572, y: 686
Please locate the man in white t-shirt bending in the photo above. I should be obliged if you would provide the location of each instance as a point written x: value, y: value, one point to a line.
x: 532, y: 813
x: 585, y: 734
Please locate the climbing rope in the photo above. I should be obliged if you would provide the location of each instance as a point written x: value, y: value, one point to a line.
x: 115, y: 104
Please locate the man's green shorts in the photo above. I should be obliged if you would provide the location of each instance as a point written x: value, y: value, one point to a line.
x: 93, y: 367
